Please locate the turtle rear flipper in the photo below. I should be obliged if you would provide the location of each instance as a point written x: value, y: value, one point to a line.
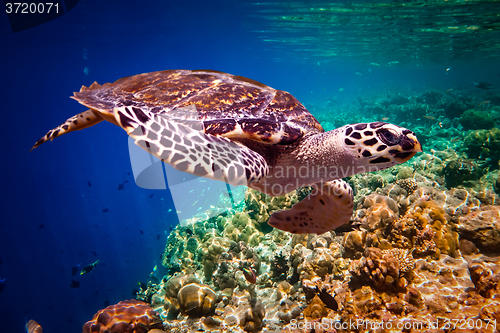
x: 80, y: 121
x: 328, y: 207
x: 191, y: 150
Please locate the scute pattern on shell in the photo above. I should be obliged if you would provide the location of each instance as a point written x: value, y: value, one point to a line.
x: 224, y: 103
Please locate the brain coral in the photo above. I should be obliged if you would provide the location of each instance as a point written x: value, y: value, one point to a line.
x: 131, y: 316
x: 196, y: 300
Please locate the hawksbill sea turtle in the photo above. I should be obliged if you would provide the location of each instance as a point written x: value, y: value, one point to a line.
x: 230, y: 128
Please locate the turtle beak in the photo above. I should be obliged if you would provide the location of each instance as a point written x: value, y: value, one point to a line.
x: 417, y: 146
x: 409, y: 146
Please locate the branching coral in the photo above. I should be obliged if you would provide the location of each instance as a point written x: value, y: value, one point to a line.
x: 279, y: 266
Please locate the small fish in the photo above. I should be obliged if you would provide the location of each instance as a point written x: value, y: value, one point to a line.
x: 89, y: 183
x: 341, y: 89
x: 392, y: 63
x: 328, y: 299
x: 33, y: 327
x: 385, y: 118
x: 89, y: 268
x: 75, y: 269
x: 121, y: 187
x: 158, y: 237
x: 456, y: 140
x: 151, y: 195
x: 375, y: 64
x: 41, y: 226
x: 448, y: 69
x: 106, y: 303
x: 449, y: 90
x: 250, y: 275
x: 358, y: 73
x: 105, y: 210
x: 483, y: 103
x: 189, y: 232
x: 429, y: 117
x: 94, y: 253
x: 74, y: 284
x: 194, y: 203
x: 141, y: 232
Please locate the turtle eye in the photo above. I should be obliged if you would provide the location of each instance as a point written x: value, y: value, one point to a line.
x: 388, y: 137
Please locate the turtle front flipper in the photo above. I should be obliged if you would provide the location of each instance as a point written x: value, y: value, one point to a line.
x: 327, y: 207
x: 191, y: 150
x: 80, y: 121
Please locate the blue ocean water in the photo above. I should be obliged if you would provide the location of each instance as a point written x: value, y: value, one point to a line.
x: 74, y: 201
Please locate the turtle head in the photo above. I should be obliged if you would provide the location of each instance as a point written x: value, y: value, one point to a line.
x: 376, y: 146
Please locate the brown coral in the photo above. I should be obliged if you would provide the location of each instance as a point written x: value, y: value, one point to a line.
x: 316, y: 309
x: 485, y: 279
x: 33, y: 327
x: 409, y: 185
x: 380, y: 210
x: 196, y: 300
x: 385, y: 269
x: 482, y: 227
x: 131, y: 316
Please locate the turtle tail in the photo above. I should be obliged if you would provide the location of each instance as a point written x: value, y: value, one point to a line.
x: 75, y: 123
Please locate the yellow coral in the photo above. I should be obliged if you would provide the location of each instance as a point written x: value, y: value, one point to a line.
x: 316, y: 309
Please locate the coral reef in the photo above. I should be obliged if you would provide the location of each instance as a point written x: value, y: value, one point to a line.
x: 409, y: 185
x: 486, y: 278
x: 386, y: 269
x: 422, y: 247
x: 484, y: 144
x: 126, y: 316
x: 482, y: 227
x: 457, y: 172
x: 475, y: 120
